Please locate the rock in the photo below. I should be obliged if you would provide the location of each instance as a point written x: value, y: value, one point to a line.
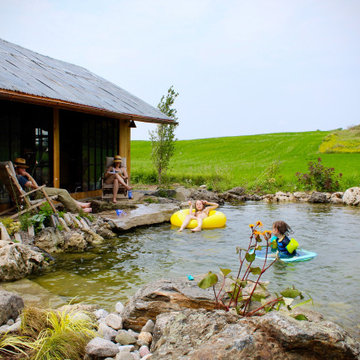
x: 133, y: 333
x: 238, y: 190
x: 144, y: 350
x: 119, y: 307
x: 4, y: 329
x: 233, y: 198
x: 281, y: 196
x: 206, y: 195
x: 81, y: 308
x: 336, y: 198
x: 301, y: 196
x: 10, y: 322
x: 352, y: 196
x: 15, y: 327
x: 148, y: 356
x: 318, y: 198
x: 143, y: 215
x: 164, y: 193
x: 198, y: 334
x: 182, y: 193
x: 124, y: 338
x: 149, y: 326
x: 92, y: 238
x: 18, y: 261
x: 106, y: 332
x: 101, y: 314
x: 124, y: 356
x: 164, y: 296
x: 101, y: 348
x: 126, y: 348
x: 100, y: 206
x: 114, y: 321
x: 104, y: 230
x: 144, y: 338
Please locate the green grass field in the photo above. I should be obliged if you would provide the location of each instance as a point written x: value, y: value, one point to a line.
x: 267, y: 161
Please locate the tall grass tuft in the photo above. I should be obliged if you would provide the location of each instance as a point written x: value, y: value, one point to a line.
x: 14, y: 345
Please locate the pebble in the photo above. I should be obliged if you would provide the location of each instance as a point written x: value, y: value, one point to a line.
x: 144, y: 350
x: 119, y: 307
x: 133, y: 333
x: 148, y: 356
x: 126, y: 348
x: 124, y: 338
x: 114, y: 321
x: 136, y: 355
x: 101, y: 348
x: 145, y: 338
x: 124, y: 356
x: 149, y: 326
x: 101, y: 313
x: 10, y: 322
x: 4, y: 329
x: 106, y: 332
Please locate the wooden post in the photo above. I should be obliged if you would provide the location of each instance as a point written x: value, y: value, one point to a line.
x: 124, y: 143
x: 56, y: 149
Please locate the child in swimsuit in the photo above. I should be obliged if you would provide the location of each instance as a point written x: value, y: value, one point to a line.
x: 201, y: 212
x: 280, y: 231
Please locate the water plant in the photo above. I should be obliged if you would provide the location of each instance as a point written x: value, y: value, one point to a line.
x: 239, y: 291
x: 319, y: 177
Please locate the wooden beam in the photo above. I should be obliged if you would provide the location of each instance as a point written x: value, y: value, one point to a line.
x: 56, y: 149
x: 124, y: 143
x: 86, y: 194
x: 67, y: 105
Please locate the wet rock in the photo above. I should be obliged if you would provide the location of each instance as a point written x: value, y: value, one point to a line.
x: 144, y: 350
x: 92, y: 238
x: 352, y: 196
x: 101, y: 313
x: 124, y: 356
x: 164, y: 296
x: 101, y: 348
x: 197, y: 334
x: 10, y: 307
x: 124, y: 338
x: 238, y: 190
x: 100, y: 206
x: 164, y: 193
x: 18, y: 261
x: 114, y: 321
x: 318, y: 198
x: 301, y: 196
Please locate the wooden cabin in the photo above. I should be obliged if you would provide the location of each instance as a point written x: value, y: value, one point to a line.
x: 64, y: 120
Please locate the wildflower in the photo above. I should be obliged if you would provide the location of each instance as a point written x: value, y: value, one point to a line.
x: 259, y: 223
x: 257, y: 232
x: 267, y: 232
x: 251, y: 225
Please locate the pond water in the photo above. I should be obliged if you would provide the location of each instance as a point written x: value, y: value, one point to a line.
x: 115, y: 270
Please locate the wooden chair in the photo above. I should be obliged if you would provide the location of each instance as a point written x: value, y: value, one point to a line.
x: 107, y: 189
x: 20, y: 197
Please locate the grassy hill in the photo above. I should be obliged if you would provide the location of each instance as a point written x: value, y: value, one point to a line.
x: 342, y: 141
x: 267, y: 161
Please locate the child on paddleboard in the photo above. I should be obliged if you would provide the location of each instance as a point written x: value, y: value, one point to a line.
x: 201, y: 212
x: 280, y: 241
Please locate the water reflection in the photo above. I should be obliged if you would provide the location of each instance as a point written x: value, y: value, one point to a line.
x: 114, y: 270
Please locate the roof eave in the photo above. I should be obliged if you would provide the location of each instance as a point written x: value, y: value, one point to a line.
x: 67, y: 105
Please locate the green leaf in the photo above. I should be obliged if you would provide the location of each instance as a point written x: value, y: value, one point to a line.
x: 258, y: 297
x: 290, y: 293
x: 209, y: 280
x: 225, y: 271
x: 241, y: 283
x: 255, y: 270
x: 250, y: 257
x: 301, y: 317
x: 259, y: 247
x: 303, y: 303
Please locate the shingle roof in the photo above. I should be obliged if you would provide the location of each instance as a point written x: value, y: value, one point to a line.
x: 27, y: 72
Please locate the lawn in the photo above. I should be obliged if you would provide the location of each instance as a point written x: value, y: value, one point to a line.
x: 249, y: 161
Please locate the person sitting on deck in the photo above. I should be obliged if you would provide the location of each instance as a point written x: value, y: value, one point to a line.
x: 117, y: 174
x: 27, y: 181
x: 201, y: 212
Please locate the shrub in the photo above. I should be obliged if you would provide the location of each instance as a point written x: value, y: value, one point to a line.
x: 319, y: 177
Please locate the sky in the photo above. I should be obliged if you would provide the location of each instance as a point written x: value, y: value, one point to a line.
x: 240, y: 67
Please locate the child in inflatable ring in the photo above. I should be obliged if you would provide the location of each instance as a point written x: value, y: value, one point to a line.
x: 280, y: 241
x: 201, y: 212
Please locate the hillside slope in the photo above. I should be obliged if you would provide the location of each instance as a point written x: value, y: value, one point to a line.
x: 245, y: 160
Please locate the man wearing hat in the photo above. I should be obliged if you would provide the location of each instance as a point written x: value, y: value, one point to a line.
x: 116, y: 174
x: 27, y: 181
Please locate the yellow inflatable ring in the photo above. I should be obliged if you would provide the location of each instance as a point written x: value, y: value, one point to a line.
x: 216, y: 219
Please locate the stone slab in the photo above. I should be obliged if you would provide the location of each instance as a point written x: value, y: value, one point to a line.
x: 143, y: 215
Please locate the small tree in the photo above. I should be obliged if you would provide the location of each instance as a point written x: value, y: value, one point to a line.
x: 163, y: 137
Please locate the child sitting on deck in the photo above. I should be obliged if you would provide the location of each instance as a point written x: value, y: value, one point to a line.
x: 201, y: 212
x: 280, y: 240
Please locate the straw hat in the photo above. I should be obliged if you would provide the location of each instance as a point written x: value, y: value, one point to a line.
x: 117, y: 158
x: 21, y: 163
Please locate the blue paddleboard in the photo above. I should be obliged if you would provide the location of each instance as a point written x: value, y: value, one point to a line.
x: 301, y: 255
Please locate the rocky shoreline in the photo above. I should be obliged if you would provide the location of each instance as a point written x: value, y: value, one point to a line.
x: 175, y: 319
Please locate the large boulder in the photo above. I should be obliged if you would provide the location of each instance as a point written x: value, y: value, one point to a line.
x: 18, y: 261
x: 10, y: 306
x: 182, y: 193
x: 200, y: 334
x: 352, y: 196
x: 164, y: 296
x: 319, y: 198
x: 202, y: 194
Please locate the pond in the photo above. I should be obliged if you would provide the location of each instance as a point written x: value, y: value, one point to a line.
x: 115, y: 270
